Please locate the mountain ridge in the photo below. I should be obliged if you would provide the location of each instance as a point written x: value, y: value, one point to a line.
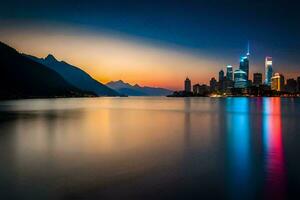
x: 75, y: 76
x: 136, y: 90
x: 22, y: 77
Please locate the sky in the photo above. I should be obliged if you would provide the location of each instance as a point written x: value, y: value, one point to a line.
x: 156, y: 43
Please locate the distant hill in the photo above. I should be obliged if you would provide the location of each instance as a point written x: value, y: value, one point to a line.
x: 136, y: 90
x: 75, y: 76
x: 21, y: 77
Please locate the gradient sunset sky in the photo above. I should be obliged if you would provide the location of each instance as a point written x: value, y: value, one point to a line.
x: 155, y: 43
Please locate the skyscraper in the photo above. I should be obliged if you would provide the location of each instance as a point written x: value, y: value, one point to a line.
x: 257, y: 79
x: 221, y: 80
x: 277, y: 82
x: 221, y: 76
x: 240, y: 79
x: 187, y: 85
x: 200, y: 90
x: 213, y: 84
x: 244, y: 65
x: 196, y: 89
x: 229, y: 73
x: 268, y: 71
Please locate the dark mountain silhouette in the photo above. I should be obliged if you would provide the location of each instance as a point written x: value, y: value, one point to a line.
x: 136, y: 90
x: 75, y: 76
x: 21, y: 77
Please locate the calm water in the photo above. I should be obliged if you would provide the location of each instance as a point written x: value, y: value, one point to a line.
x: 150, y: 148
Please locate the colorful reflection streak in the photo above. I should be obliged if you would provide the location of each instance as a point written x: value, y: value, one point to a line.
x: 238, y: 131
x: 274, y: 157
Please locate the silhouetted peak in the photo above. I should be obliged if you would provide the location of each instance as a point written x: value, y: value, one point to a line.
x: 50, y: 57
x: 119, y: 81
x: 119, y: 84
x: 116, y: 82
x: 136, y: 85
x: 6, y: 47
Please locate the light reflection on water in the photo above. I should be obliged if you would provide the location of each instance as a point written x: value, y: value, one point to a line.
x: 238, y: 131
x: 273, y: 147
x: 156, y: 148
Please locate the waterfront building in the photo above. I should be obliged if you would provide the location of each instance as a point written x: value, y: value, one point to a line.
x: 221, y: 76
x: 200, y: 90
x: 196, y: 88
x: 291, y: 85
x: 257, y: 79
x: 221, y: 81
x: 268, y: 70
x: 244, y: 66
x: 228, y: 84
x: 213, y: 84
x: 187, y: 85
x: 229, y: 73
x: 229, y: 78
x: 277, y: 82
x: 240, y: 79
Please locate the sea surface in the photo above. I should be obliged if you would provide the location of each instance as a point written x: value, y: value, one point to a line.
x: 150, y: 148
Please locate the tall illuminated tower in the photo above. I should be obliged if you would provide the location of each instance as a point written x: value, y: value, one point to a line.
x: 268, y: 71
x: 229, y: 73
x: 244, y: 62
x: 277, y: 82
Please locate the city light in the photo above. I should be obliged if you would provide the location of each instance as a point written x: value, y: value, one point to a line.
x: 238, y: 83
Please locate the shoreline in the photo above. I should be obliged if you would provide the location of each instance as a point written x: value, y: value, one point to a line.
x: 224, y: 97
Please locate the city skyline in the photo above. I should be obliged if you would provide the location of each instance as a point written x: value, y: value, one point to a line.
x: 237, y: 82
x: 243, y: 72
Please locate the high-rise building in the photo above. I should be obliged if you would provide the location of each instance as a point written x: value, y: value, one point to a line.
x: 244, y: 65
x: 221, y: 82
x: 187, y: 85
x: 277, y: 82
x: 229, y: 84
x: 229, y: 73
x: 291, y: 85
x: 221, y: 76
x: 213, y: 84
x: 200, y: 90
x: 196, y: 89
x: 240, y: 79
x: 268, y: 71
x: 257, y: 79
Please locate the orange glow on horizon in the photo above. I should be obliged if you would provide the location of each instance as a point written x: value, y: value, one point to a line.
x: 108, y: 58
